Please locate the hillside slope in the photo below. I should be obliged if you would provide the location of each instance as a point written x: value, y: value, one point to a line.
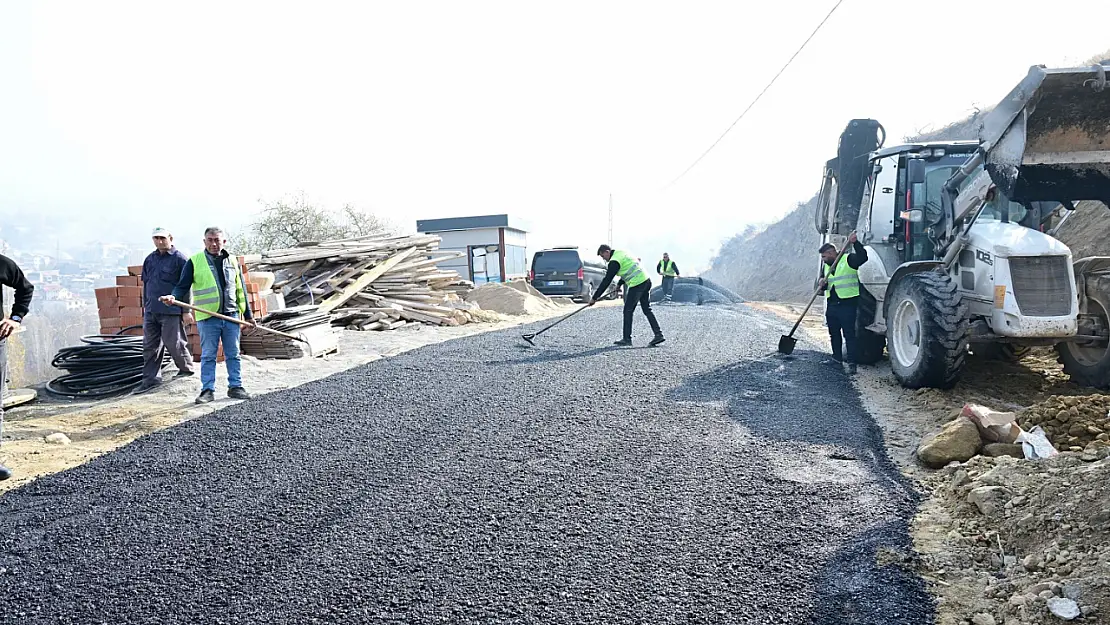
x: 779, y: 263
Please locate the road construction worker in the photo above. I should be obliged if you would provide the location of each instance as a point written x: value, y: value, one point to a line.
x: 842, y: 297
x: 669, y: 270
x: 637, y: 291
x: 163, y: 325
x: 11, y: 276
x: 217, y: 285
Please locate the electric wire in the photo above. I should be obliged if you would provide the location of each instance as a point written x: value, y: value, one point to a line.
x: 745, y: 112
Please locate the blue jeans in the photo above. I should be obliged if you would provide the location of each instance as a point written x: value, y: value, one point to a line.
x: 212, y: 330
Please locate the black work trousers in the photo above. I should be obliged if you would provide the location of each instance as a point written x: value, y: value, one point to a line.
x: 841, y: 319
x: 639, y: 294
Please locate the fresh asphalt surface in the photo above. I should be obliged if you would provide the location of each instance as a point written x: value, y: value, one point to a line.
x: 485, y: 481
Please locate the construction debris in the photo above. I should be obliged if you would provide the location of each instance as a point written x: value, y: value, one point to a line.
x: 375, y: 282
x: 306, y: 322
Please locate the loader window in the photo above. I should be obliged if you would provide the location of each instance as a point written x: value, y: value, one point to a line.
x: 927, y: 195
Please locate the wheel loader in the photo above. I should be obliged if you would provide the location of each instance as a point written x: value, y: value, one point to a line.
x: 960, y: 234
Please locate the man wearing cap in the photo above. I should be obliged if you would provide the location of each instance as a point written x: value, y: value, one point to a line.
x: 11, y: 276
x: 163, y: 325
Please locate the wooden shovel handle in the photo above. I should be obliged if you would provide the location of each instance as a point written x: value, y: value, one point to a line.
x: 245, y: 324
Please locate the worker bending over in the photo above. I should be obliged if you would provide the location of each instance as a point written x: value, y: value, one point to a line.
x: 842, y: 297
x: 669, y: 270
x: 637, y: 291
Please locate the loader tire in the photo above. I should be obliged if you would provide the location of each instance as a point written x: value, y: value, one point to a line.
x: 869, y: 345
x: 1088, y: 364
x: 927, y: 331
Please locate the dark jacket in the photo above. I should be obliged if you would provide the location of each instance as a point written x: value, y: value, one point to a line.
x: 183, y: 290
x: 161, y: 271
x: 11, y: 275
x: 610, y: 272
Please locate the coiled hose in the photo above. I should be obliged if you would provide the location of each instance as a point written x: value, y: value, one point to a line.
x: 103, y: 366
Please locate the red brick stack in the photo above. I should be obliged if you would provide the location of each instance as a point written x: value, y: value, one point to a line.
x: 121, y: 306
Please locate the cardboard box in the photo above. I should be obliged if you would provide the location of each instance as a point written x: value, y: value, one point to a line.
x: 135, y: 270
x: 129, y: 291
x: 127, y: 281
x: 106, y: 293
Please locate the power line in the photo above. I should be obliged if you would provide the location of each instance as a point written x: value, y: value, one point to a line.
x: 815, y: 30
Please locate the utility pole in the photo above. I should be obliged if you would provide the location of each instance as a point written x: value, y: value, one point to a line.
x: 610, y: 220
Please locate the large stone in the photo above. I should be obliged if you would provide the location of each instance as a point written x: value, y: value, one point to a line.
x: 983, y: 618
x: 957, y: 441
x: 989, y: 499
x: 1063, y: 608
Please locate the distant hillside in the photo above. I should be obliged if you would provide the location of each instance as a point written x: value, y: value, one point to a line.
x: 780, y: 263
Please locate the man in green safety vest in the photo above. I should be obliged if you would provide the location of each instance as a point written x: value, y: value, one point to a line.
x: 842, y: 297
x: 637, y: 291
x: 217, y: 286
x: 669, y: 270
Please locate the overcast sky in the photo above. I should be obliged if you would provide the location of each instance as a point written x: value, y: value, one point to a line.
x: 183, y: 114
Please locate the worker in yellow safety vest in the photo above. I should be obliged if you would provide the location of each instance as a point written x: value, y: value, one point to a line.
x: 842, y: 297
x: 637, y: 291
x: 217, y: 286
x: 669, y: 270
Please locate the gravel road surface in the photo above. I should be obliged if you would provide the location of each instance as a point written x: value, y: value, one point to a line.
x: 485, y: 481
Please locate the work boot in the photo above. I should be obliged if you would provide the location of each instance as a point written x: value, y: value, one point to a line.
x: 206, y: 397
x: 657, y: 340
x: 184, y: 374
x: 623, y: 343
x: 146, y: 387
x: 238, y: 392
x: 5, y: 473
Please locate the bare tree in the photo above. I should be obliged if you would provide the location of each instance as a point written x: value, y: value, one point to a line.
x: 295, y: 220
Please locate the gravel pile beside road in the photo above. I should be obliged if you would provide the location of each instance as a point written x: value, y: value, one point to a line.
x: 482, y: 480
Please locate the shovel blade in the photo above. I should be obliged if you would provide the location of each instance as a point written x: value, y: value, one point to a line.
x: 529, y: 337
x: 786, y: 344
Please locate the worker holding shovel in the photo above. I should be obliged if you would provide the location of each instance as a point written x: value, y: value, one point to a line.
x: 841, y: 278
x: 637, y: 291
x: 220, y: 295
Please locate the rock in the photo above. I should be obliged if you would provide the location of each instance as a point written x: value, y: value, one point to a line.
x: 957, y: 441
x: 960, y: 478
x: 994, y: 450
x: 1032, y: 562
x: 983, y: 618
x: 989, y: 499
x: 1071, y: 591
x: 57, y: 438
x: 1088, y: 610
x: 1064, y: 608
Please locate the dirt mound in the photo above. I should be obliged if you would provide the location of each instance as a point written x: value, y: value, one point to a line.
x: 1024, y: 535
x: 509, y: 300
x: 1071, y: 423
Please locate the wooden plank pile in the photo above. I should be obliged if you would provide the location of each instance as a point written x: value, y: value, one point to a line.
x: 376, y: 282
x: 304, y: 321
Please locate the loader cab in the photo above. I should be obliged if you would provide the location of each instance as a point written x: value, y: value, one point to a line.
x: 922, y: 172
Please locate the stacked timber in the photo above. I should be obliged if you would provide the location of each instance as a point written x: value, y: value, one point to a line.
x: 306, y: 322
x: 376, y: 282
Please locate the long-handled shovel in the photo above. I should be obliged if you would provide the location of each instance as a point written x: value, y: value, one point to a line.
x: 529, y: 337
x: 787, y: 341
x: 245, y: 324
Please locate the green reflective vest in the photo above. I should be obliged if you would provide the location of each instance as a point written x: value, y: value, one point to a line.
x: 206, y: 289
x: 845, y: 280
x: 630, y: 272
x: 668, y: 267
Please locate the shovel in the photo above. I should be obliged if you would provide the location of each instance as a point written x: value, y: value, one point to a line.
x: 787, y: 341
x: 245, y: 324
x: 529, y: 337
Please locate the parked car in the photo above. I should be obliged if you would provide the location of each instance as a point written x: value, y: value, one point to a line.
x: 562, y: 272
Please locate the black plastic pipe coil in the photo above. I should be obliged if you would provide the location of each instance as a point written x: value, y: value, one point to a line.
x: 104, y: 365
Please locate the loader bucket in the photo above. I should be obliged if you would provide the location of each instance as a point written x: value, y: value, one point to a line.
x: 1049, y: 140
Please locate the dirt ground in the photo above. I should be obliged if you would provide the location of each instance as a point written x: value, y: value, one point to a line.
x: 1045, y: 539
x: 95, y: 428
